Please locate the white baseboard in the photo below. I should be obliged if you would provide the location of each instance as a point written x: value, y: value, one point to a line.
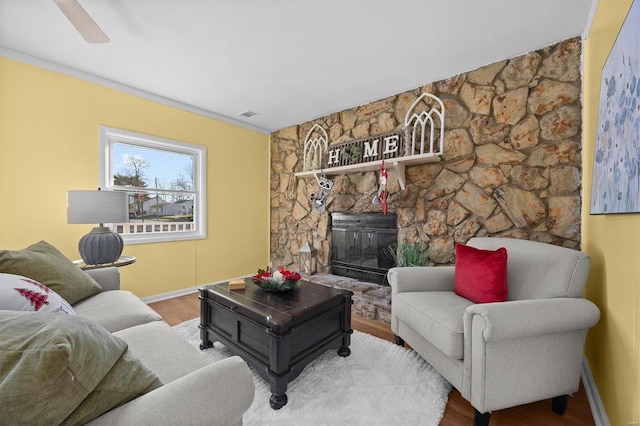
x: 169, y: 295
x: 182, y: 292
x: 597, y: 408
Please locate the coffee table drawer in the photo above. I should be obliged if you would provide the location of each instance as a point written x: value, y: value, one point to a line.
x: 229, y: 325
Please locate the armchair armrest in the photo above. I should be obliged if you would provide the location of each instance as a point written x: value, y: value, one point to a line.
x: 218, y: 394
x: 108, y: 278
x: 530, y: 318
x: 538, y: 343
x: 419, y: 278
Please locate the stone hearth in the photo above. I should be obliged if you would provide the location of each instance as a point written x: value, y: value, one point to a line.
x: 371, y: 301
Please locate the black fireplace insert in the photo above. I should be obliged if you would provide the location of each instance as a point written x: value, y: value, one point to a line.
x: 360, y: 244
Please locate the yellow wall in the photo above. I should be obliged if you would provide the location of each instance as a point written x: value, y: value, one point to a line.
x: 49, y: 144
x: 613, y: 241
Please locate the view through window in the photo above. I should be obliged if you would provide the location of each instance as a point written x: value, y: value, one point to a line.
x: 164, y: 182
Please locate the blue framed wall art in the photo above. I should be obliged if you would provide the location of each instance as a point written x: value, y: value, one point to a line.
x: 616, y: 172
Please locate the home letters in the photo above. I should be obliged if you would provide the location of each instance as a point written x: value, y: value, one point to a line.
x: 364, y: 150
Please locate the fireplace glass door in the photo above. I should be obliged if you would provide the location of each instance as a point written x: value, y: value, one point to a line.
x: 360, y: 245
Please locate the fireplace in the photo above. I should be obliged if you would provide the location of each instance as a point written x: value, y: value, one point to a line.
x: 360, y: 244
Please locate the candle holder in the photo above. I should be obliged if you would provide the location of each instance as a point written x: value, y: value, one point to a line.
x: 308, y: 259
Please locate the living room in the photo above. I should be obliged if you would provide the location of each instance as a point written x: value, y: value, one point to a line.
x: 49, y: 124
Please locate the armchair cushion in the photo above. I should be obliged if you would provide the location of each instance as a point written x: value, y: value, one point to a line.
x: 437, y: 316
x: 481, y: 275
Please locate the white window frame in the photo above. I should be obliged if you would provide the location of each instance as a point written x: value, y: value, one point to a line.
x: 109, y: 136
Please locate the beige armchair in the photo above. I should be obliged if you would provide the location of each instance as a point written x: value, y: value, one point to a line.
x: 502, y: 354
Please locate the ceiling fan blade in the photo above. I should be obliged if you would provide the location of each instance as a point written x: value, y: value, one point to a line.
x: 80, y: 19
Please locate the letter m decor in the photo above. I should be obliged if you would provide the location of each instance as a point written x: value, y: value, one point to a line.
x: 418, y: 124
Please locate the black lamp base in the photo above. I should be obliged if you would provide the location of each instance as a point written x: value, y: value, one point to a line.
x: 100, y: 246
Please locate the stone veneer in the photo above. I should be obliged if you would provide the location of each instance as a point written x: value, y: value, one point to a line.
x: 511, y: 165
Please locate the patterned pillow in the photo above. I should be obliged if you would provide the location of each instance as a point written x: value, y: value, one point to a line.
x: 18, y: 293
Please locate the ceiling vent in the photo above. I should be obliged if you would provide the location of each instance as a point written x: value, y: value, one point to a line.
x: 248, y: 113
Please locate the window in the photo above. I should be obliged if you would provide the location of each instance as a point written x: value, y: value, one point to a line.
x: 165, y: 182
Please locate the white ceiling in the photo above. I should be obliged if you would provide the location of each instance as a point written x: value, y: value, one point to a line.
x: 289, y: 60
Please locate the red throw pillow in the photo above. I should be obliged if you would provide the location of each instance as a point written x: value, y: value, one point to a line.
x: 481, y: 275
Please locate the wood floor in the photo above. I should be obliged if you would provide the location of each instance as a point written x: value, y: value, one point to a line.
x: 458, y: 411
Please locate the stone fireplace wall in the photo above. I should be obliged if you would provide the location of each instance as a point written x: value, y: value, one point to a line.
x: 511, y: 165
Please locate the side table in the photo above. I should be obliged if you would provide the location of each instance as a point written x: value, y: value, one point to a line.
x: 122, y: 261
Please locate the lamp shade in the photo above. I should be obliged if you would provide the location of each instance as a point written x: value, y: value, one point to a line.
x: 97, y: 207
x: 101, y: 245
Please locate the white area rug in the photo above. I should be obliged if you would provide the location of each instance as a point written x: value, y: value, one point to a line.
x: 380, y: 383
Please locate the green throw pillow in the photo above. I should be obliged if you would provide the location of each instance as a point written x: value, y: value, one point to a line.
x: 59, y: 369
x: 46, y: 264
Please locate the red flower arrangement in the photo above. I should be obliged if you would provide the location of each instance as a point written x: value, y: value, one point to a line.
x: 280, y: 280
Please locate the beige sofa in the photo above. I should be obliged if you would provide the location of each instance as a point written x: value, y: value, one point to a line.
x: 501, y: 354
x: 190, y: 390
x: 194, y: 391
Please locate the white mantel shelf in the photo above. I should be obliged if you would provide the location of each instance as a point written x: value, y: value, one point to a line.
x: 398, y: 164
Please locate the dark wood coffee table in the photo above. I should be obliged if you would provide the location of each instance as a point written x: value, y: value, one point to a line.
x: 277, y: 333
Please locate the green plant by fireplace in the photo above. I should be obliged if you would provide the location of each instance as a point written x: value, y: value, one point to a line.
x: 407, y: 254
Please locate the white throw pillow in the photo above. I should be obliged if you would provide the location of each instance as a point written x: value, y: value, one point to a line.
x: 18, y: 293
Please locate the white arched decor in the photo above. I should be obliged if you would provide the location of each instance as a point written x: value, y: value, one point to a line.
x: 420, y: 122
x: 317, y: 145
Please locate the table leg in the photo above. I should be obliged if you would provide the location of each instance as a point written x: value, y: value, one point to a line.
x: 278, y: 401
x: 204, y: 337
x: 205, y: 314
x: 344, y: 351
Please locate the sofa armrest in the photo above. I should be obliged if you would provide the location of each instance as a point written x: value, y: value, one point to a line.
x: 421, y: 278
x: 108, y: 278
x: 218, y: 394
x: 530, y: 318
